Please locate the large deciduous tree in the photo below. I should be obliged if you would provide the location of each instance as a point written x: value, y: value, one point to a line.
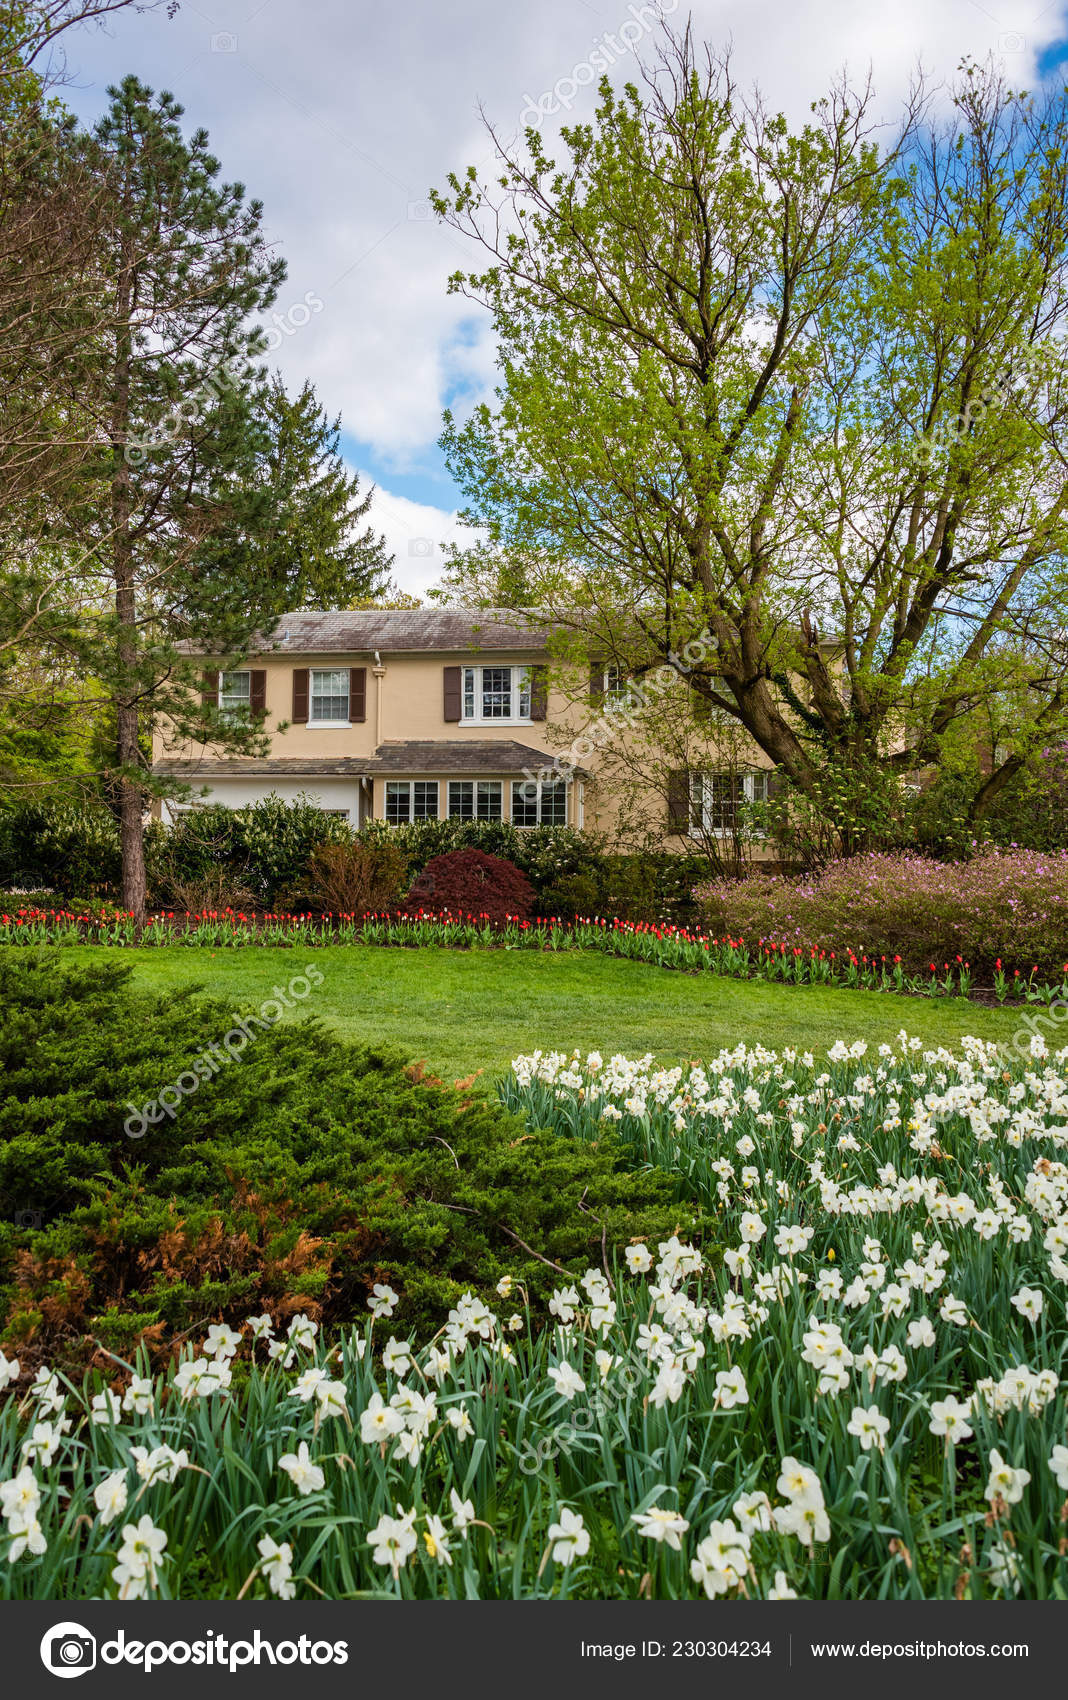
x: 801, y: 389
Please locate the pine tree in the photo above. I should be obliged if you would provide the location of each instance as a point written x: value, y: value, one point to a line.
x: 172, y: 507
x: 317, y: 556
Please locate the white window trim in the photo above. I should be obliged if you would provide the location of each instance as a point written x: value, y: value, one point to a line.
x: 516, y: 669
x: 474, y: 780
x: 234, y: 711
x: 409, y: 783
x: 702, y: 829
x: 328, y: 725
x: 528, y: 826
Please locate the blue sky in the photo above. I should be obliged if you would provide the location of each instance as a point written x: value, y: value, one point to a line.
x: 340, y: 116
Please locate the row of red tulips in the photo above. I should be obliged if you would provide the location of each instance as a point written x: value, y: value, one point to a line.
x: 661, y: 943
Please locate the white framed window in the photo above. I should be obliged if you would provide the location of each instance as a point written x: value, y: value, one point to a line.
x: 496, y: 694
x: 534, y: 804
x: 329, y: 701
x: 235, y: 695
x: 476, y: 799
x: 411, y: 799
x: 717, y: 800
x: 615, y: 687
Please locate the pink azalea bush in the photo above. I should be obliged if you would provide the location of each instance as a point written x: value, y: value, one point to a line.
x: 1007, y: 904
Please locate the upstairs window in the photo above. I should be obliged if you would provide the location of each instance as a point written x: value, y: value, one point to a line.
x: 496, y: 693
x: 235, y: 695
x: 329, y: 694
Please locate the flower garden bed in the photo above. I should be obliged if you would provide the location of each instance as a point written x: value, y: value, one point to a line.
x: 858, y: 1394
x: 665, y: 945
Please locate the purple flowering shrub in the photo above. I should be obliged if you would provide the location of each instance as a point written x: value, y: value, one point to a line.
x: 1007, y: 904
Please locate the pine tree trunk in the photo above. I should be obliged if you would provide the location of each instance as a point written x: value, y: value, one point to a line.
x: 128, y: 748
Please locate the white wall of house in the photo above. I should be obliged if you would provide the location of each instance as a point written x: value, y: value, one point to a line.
x: 340, y: 794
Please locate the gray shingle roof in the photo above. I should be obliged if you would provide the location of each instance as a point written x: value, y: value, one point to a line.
x: 394, y: 630
x: 429, y: 755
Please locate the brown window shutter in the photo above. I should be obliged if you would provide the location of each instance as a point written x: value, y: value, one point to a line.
x: 453, y: 679
x: 301, y: 682
x: 777, y: 783
x: 209, y: 689
x: 539, y: 692
x: 357, y: 693
x: 257, y: 690
x: 678, y: 799
x: 596, y: 681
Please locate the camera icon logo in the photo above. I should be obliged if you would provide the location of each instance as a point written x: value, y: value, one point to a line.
x: 224, y: 42
x: 421, y: 547
x: 68, y: 1650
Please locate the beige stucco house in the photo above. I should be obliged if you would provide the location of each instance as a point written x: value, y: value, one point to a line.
x: 413, y: 714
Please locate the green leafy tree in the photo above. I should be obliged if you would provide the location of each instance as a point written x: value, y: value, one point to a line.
x: 793, y: 394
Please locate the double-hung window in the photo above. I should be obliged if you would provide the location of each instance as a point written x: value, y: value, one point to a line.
x: 329, y: 696
x: 717, y: 800
x: 235, y: 695
x: 475, y: 799
x: 535, y: 804
x: 496, y: 694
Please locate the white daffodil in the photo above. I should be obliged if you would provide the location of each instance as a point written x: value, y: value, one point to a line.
x: 110, y: 1497
x: 569, y: 1538
x: 276, y: 1567
x: 27, y: 1536
x: 731, y: 1389
x: 950, y: 1417
x: 393, y: 1539
x: 463, y: 1512
x: 780, y: 1590
x: 383, y: 1300
x: 870, y: 1427
x: 143, y: 1548
x: 379, y: 1421
x: 436, y: 1540
x: 639, y: 1259
x: 1004, y: 1481
x: 566, y: 1380
x: 306, y: 1476
x: 160, y: 1465
x: 666, y: 1527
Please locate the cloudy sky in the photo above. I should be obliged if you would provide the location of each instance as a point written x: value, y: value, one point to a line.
x: 340, y: 116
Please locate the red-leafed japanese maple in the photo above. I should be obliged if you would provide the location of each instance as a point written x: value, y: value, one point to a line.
x: 472, y: 883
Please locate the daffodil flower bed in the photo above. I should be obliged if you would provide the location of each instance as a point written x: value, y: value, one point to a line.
x: 858, y: 1394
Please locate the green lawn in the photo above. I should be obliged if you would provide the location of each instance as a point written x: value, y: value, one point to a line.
x: 463, y: 1011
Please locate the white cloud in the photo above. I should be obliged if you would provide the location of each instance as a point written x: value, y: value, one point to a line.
x: 340, y: 118
x: 417, y: 534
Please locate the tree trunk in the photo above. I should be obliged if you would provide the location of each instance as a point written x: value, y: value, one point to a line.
x: 124, y: 569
